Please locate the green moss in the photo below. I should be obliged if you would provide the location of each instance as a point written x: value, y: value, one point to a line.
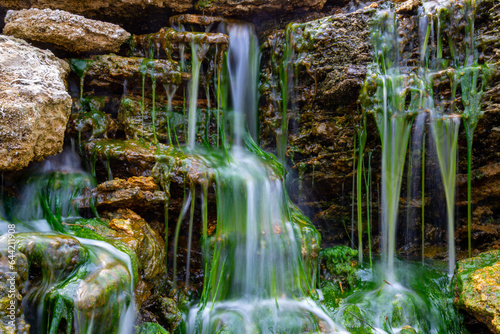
x: 79, y: 66
x: 340, y: 274
x: 354, y: 321
x: 150, y: 328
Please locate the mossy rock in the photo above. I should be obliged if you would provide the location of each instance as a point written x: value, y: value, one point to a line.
x: 151, y: 328
x: 354, y: 322
x: 477, y: 288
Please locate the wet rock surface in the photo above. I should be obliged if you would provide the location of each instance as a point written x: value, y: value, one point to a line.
x: 255, y: 7
x: 323, y: 117
x: 134, y: 15
x: 66, y: 31
x: 13, y: 278
x: 34, y: 103
x: 135, y: 192
x: 477, y: 288
x: 330, y: 58
x: 115, y: 73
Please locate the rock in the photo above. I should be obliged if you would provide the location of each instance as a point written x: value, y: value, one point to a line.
x: 477, y: 288
x: 408, y: 7
x: 148, y: 246
x: 34, y: 104
x: 12, y: 292
x: 66, y: 31
x: 64, y: 278
x: 135, y: 15
x: 247, y: 8
x: 136, y: 192
x: 115, y: 73
x: 330, y: 60
x: 151, y: 328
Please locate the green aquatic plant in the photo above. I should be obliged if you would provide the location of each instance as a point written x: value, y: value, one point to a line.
x: 384, y: 94
x: 368, y: 186
x: 80, y: 67
x: 473, y: 81
x: 361, y: 132
x: 150, y: 328
x: 445, y: 134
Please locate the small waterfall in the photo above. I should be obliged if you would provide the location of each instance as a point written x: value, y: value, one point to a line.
x: 243, y: 68
x: 85, y: 285
x: 445, y: 135
x: 385, y: 95
x: 257, y: 280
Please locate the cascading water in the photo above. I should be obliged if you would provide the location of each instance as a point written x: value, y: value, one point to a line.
x: 257, y: 281
x: 83, y: 285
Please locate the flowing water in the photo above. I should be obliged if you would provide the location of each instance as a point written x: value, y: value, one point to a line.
x: 76, y: 283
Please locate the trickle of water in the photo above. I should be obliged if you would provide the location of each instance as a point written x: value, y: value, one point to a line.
x: 243, y: 68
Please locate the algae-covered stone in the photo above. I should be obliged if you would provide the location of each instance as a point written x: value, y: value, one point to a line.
x: 113, y: 72
x: 13, y: 278
x: 477, y: 288
x: 354, y: 321
x: 65, y: 31
x: 151, y: 328
x: 34, y: 104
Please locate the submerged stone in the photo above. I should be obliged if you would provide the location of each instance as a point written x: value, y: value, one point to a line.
x: 69, y: 281
x: 66, y: 31
x: 477, y: 288
x: 34, y: 104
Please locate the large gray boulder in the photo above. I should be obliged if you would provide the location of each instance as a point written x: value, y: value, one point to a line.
x: 34, y: 103
x: 65, y: 31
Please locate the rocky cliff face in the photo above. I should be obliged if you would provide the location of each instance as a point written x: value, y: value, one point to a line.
x: 329, y: 58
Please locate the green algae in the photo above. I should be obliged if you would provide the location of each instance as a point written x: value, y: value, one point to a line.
x: 151, y: 328
x: 339, y: 274
x: 422, y: 301
x: 66, y: 292
x: 80, y: 67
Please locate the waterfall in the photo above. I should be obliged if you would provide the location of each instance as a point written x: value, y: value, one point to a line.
x: 85, y: 285
x: 256, y: 281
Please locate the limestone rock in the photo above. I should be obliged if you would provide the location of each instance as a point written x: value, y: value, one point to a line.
x: 252, y: 7
x: 477, y: 288
x: 330, y: 60
x: 66, y: 31
x: 135, y: 15
x: 34, y: 104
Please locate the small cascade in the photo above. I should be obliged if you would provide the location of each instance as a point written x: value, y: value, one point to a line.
x: 385, y: 95
x: 78, y: 281
x: 260, y: 278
